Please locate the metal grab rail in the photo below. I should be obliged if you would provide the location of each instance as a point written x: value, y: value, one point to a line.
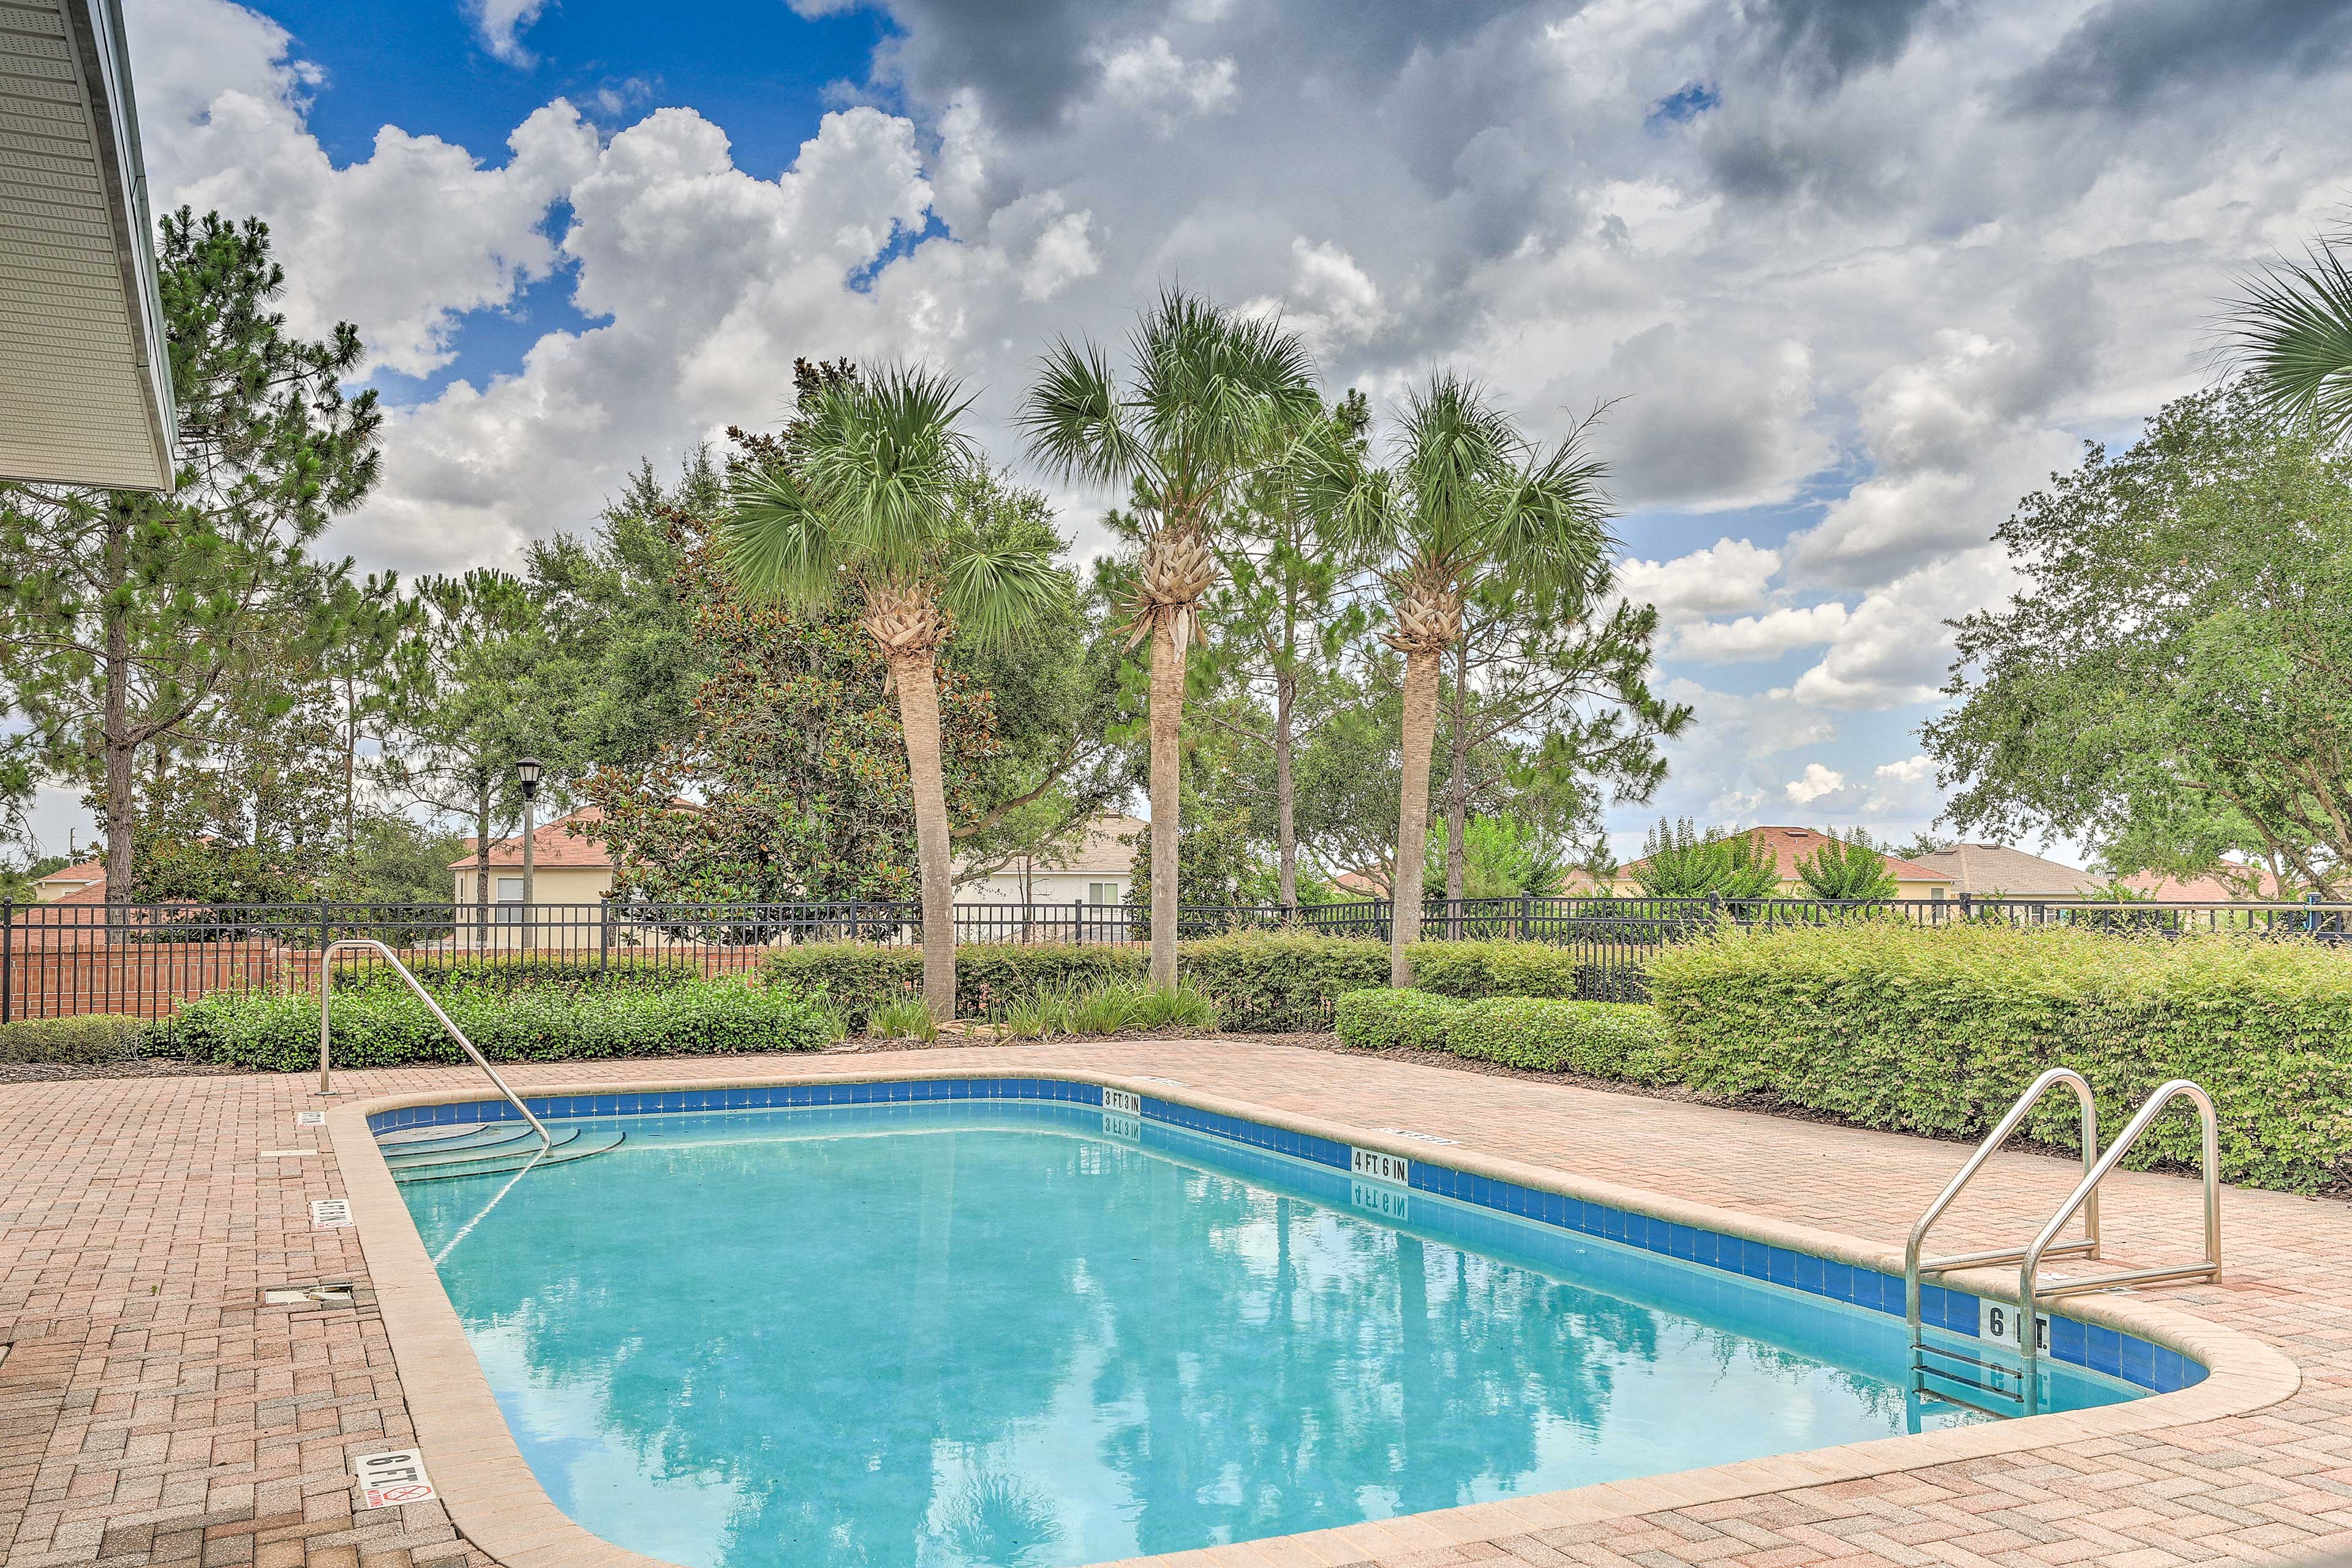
x: 1914, y: 1265
x: 326, y: 995
x: 2028, y: 1289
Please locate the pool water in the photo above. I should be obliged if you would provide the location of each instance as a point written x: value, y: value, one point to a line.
x: 1032, y: 1335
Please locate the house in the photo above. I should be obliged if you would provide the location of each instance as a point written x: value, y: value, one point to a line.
x: 1099, y: 870
x: 2245, y: 884
x: 83, y: 884
x: 86, y: 398
x: 567, y: 868
x: 571, y: 868
x: 1787, y: 846
x: 1985, y: 871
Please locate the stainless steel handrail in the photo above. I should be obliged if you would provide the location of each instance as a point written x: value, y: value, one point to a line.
x: 326, y: 1002
x: 2028, y: 1287
x: 1914, y: 1265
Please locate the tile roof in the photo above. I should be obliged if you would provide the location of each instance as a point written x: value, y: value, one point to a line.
x: 2253, y: 885
x: 554, y: 846
x: 1998, y: 868
x: 83, y: 884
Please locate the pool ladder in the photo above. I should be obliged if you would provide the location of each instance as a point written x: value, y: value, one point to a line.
x: 1976, y: 1378
x: 428, y: 1154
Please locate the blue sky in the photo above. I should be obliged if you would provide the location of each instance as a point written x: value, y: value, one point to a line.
x: 1853, y: 275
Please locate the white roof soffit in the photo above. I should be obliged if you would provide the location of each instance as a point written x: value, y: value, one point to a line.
x: 85, y: 384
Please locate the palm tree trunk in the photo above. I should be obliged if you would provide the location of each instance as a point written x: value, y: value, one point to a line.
x: 1419, y: 738
x: 1285, y: 794
x: 1167, y: 720
x: 1457, y: 789
x: 916, y: 677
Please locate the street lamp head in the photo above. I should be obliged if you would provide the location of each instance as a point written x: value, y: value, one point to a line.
x: 526, y: 774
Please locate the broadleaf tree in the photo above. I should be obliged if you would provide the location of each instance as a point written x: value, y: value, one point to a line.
x: 2173, y: 683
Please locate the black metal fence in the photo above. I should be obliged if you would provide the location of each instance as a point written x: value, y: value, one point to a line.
x: 66, y: 959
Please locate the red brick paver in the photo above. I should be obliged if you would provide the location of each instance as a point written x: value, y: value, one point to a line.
x: 151, y: 1412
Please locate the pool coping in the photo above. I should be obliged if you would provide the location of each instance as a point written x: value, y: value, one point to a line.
x: 497, y: 1502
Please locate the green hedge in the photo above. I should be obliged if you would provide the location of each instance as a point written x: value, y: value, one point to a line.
x: 1474, y: 970
x: 1259, y: 981
x: 1376, y: 1020
x: 1601, y: 1039
x: 93, y: 1037
x: 501, y: 972
x: 377, y: 1028
x: 1936, y: 1030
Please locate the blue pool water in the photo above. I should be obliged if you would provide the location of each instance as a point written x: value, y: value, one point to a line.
x: 1032, y: 1335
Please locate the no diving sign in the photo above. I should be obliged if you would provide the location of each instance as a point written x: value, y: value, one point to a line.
x: 387, y: 1480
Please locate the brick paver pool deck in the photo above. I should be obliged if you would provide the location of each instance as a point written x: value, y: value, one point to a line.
x: 151, y: 1411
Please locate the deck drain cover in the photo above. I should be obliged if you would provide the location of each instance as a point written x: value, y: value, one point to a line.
x: 296, y: 1295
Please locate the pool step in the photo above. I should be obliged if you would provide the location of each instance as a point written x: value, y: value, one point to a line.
x: 570, y: 1144
x: 506, y: 1137
x: 399, y: 1151
x: 1961, y: 1373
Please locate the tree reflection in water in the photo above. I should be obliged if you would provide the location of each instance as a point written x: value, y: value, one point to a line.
x: 989, y: 1342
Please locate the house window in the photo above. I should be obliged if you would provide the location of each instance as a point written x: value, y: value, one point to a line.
x: 509, y: 900
x: 1934, y: 892
x: 1102, y: 893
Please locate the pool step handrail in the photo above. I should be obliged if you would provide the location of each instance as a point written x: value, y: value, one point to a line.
x: 1915, y: 1265
x: 2030, y: 1290
x: 326, y: 1003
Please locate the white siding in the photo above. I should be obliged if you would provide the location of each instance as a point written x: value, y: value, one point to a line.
x: 79, y: 340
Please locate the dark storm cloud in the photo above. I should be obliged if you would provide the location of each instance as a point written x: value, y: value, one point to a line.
x: 1031, y: 59
x: 2127, y: 54
x: 1822, y: 42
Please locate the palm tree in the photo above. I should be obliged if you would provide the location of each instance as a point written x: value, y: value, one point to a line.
x: 2291, y: 329
x: 1206, y: 401
x: 868, y: 497
x: 1472, y: 510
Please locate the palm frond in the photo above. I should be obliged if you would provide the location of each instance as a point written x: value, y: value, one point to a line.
x: 775, y: 544
x: 1550, y: 521
x: 882, y: 458
x: 994, y: 588
x: 1075, y: 423
x: 2292, y: 330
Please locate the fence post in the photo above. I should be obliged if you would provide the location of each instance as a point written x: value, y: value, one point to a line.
x: 325, y: 936
x: 603, y: 935
x: 1967, y: 898
x: 7, y: 960
x: 1527, y: 916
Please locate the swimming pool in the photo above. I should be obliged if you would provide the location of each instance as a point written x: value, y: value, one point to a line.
x: 924, y: 1327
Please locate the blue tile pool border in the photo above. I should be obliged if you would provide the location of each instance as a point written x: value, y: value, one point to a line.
x: 2124, y: 1356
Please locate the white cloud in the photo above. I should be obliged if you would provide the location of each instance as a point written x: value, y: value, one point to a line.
x: 1816, y: 783
x: 1894, y: 648
x: 499, y: 22
x: 1729, y: 574
x: 401, y: 243
x: 1331, y: 303
x: 1755, y: 637
x: 1150, y: 75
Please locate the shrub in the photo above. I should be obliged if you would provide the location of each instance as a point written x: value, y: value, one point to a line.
x: 1600, y: 1040
x: 92, y: 1037
x: 1376, y: 1020
x: 376, y: 1028
x: 502, y: 971
x: 1936, y: 1029
x: 1182, y: 1005
x: 1253, y: 980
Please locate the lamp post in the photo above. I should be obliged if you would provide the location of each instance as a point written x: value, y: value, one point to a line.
x: 527, y: 774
